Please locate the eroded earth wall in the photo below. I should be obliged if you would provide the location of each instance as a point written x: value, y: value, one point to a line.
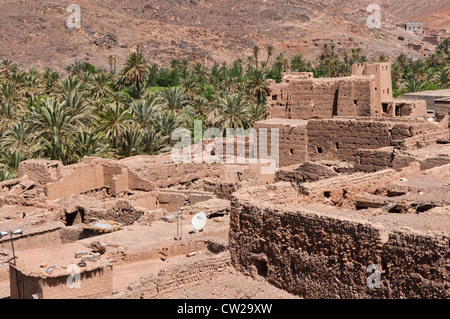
x: 319, y: 256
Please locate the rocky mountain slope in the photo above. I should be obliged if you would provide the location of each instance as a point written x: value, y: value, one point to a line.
x: 35, y: 32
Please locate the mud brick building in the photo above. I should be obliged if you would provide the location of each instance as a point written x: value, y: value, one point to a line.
x: 363, y: 179
x: 333, y: 118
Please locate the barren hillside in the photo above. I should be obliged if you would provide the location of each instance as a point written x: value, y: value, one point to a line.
x: 35, y: 33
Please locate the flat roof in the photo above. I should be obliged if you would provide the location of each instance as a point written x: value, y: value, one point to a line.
x: 444, y: 92
x: 280, y: 121
x: 61, y: 256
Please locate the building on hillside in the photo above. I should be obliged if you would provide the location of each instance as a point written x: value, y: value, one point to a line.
x: 416, y: 27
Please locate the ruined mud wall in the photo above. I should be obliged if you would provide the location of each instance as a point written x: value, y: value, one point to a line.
x: 341, y: 138
x: 177, y: 277
x: 306, y: 98
x: 91, y: 174
x: 319, y: 256
x: 292, y: 139
x: 81, y: 179
x: 387, y: 157
x: 95, y: 283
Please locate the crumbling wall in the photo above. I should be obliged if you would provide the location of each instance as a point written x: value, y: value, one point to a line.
x: 91, y: 174
x: 374, y: 160
x: 41, y: 171
x: 81, y: 179
x: 305, y: 98
x: 339, y: 187
x: 177, y: 277
x: 292, y: 139
x: 319, y: 256
x: 170, y: 199
x: 341, y: 138
x: 95, y: 283
x: 305, y: 172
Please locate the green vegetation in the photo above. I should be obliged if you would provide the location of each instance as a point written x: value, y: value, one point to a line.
x: 134, y: 110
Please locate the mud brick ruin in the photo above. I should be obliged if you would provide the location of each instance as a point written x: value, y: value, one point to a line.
x: 362, y: 181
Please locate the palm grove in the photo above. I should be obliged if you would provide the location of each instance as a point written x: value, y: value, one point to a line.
x: 120, y: 113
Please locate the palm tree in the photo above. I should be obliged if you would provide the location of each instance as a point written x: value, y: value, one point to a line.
x: 10, y: 159
x: 131, y: 141
x: 33, y: 87
x: 201, y: 106
x: 20, y: 136
x: 7, y: 68
x: 282, y: 61
x: 112, y: 62
x: 101, y: 85
x: 69, y: 85
x: 135, y: 70
x: 5, y: 175
x: 154, y: 142
x: 191, y: 86
x: 9, y: 92
x: 145, y: 112
x: 419, y: 69
x: 442, y: 78
x: 444, y: 45
x: 200, y: 71
x: 50, y: 77
x: 175, y: 100
x: 250, y: 60
x: 114, y: 120
x: 270, y: 49
x: 257, y: 113
x: 89, y: 142
x: 414, y: 85
x: 232, y: 112
x: 257, y: 84
x: 382, y: 58
x: 54, y: 123
x: 168, y: 122
x: 76, y: 69
x: 256, y: 51
x: 8, y: 113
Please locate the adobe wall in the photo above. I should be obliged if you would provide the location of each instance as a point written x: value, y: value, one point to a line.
x: 292, y: 139
x: 91, y: 174
x: 442, y: 106
x: 341, y: 138
x: 165, y: 173
x: 367, y: 160
x: 95, y: 283
x: 41, y: 171
x: 177, y: 277
x: 308, y: 98
x: 325, y: 255
x: 406, y: 108
x: 81, y: 179
x: 172, y: 199
x: 37, y: 240
x: 96, y: 277
x: 429, y: 96
x: 382, y: 84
